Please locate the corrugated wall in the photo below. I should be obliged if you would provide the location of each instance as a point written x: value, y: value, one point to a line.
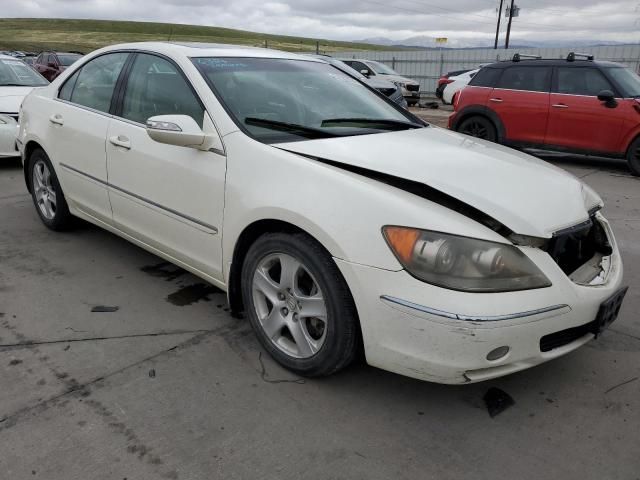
x: 426, y: 66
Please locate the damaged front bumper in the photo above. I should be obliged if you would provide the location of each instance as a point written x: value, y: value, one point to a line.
x: 444, y: 336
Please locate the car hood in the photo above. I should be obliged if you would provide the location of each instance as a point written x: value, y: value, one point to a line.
x: 379, y: 83
x: 397, y: 78
x: 527, y: 195
x: 11, y: 98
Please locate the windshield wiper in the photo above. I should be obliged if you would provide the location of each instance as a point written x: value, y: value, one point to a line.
x: 303, y: 130
x: 380, y: 123
x: 13, y: 85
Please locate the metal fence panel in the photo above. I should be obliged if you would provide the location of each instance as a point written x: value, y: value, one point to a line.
x: 426, y: 66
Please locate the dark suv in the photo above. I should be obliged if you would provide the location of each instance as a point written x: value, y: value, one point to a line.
x: 51, y: 64
x: 575, y: 105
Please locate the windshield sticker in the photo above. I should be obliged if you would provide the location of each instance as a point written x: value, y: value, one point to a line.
x: 220, y: 63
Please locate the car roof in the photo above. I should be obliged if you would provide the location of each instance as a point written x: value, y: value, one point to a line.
x: 195, y: 49
x: 554, y: 63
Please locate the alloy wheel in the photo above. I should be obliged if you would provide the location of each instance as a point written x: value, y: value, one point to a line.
x: 45, y: 193
x: 290, y: 305
x: 476, y: 129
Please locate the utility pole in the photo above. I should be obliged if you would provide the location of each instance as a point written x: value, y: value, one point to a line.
x: 511, y: 13
x: 495, y: 45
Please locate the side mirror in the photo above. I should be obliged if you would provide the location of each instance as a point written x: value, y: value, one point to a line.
x: 178, y: 130
x: 608, y: 98
x: 365, y: 72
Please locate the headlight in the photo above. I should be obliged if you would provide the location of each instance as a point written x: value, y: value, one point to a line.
x: 461, y: 263
x: 400, y: 84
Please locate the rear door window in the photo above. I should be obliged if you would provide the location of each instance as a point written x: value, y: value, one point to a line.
x: 531, y: 79
x: 581, y: 81
x: 486, y: 77
x: 93, y: 85
x: 156, y: 87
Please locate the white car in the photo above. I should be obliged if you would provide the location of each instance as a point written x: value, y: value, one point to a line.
x: 459, y: 82
x: 17, y: 80
x: 331, y: 216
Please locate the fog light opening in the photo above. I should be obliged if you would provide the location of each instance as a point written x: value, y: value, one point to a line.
x: 498, y: 353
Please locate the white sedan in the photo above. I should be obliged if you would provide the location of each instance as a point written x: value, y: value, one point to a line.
x: 458, y: 83
x: 331, y: 216
x: 17, y: 80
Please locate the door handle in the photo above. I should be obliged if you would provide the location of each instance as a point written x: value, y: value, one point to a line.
x: 560, y: 105
x: 56, y: 119
x: 120, y: 141
x: 496, y: 100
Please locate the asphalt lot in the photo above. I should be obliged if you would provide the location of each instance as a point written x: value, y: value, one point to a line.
x: 171, y: 386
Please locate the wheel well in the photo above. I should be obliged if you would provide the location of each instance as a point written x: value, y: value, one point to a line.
x: 484, y: 113
x: 28, y: 150
x: 249, y: 235
x: 628, y: 150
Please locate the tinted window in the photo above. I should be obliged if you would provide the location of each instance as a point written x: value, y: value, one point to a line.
x: 156, y: 87
x: 533, y: 79
x: 581, y: 81
x: 627, y: 80
x: 486, y: 77
x: 96, y: 81
x: 67, y: 88
x: 359, y: 66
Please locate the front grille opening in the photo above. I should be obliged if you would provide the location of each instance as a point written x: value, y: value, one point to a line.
x: 565, y: 337
x: 413, y: 88
x: 576, y: 246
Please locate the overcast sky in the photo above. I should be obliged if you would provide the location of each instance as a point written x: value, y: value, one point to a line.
x: 358, y: 19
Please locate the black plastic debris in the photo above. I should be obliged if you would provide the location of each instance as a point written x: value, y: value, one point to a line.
x: 152, y: 373
x: 104, y: 309
x: 497, y: 401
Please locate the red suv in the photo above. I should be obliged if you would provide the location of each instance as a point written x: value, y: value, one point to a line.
x: 572, y: 105
x: 52, y: 64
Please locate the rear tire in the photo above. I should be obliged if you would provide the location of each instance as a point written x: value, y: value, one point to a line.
x: 479, y: 127
x: 633, y: 157
x: 47, y: 194
x: 285, y: 279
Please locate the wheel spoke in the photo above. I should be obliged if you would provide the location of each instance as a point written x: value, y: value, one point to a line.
x: 273, y: 323
x: 265, y: 285
x: 313, y: 307
x: 306, y: 346
x: 289, y: 268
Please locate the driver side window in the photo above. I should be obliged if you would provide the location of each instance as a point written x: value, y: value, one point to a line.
x: 156, y: 87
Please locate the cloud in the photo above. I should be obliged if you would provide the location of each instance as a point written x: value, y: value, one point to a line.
x: 618, y: 20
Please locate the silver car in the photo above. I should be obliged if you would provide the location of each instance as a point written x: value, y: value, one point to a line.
x: 391, y: 90
x: 370, y: 68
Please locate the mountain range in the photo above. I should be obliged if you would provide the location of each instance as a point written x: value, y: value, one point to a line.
x: 423, y: 41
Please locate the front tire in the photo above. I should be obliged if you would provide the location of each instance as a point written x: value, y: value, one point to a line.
x: 299, y: 305
x: 47, y: 194
x: 479, y: 127
x: 633, y: 157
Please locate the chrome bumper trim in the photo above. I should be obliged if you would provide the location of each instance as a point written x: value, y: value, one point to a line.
x: 470, y: 318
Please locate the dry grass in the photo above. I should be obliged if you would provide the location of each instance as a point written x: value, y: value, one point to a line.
x: 85, y: 35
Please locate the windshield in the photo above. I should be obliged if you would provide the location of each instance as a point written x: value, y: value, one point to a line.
x: 68, y: 59
x: 277, y: 100
x: 18, y: 73
x: 381, y: 68
x: 627, y: 80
